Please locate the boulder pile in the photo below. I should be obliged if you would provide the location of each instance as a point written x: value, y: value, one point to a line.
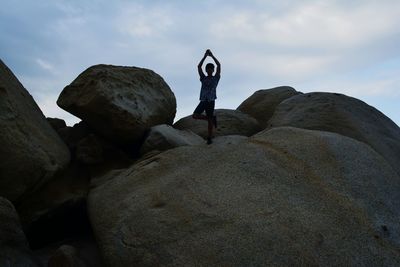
x: 290, y: 179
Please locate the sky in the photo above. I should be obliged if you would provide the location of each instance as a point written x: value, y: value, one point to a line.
x: 341, y: 46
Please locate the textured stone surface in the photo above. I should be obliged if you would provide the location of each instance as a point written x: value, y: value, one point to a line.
x: 261, y: 105
x: 57, y: 197
x: 285, y: 197
x: 230, y: 122
x: 120, y: 103
x: 31, y: 152
x: 91, y: 150
x: 344, y: 115
x: 14, y: 249
x: 163, y: 137
x: 56, y: 123
x: 66, y: 256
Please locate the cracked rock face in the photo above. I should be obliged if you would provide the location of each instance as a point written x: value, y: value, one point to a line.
x: 31, y: 152
x: 119, y: 103
x: 284, y: 197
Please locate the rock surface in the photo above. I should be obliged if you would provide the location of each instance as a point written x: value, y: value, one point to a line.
x: 66, y: 256
x: 163, y: 137
x: 120, y: 103
x: 56, y: 198
x: 14, y: 249
x: 285, y: 197
x: 31, y: 152
x: 261, y: 105
x: 230, y: 122
x: 56, y: 123
x: 344, y: 115
x: 91, y: 150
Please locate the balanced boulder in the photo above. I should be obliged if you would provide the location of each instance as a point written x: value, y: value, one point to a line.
x: 284, y: 197
x: 344, y: 115
x: 261, y: 105
x: 229, y: 122
x: 31, y: 152
x: 119, y: 103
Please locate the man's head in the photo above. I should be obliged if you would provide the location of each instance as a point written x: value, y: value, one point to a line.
x: 210, y: 69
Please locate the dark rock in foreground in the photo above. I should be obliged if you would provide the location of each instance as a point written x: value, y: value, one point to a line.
x: 31, y: 152
x: 284, y: 197
x: 14, y: 248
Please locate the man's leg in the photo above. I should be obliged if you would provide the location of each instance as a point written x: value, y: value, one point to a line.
x: 210, y: 119
x: 197, y: 114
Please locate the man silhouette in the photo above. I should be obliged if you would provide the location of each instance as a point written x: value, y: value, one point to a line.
x: 208, y: 93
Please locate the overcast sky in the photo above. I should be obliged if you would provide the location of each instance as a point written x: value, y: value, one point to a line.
x: 350, y: 47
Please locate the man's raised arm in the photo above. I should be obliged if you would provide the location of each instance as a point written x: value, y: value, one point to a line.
x: 218, y: 72
x: 199, y: 67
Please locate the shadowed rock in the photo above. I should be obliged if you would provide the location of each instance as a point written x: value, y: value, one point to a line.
x: 31, y: 152
x: 14, y: 249
x: 230, y: 122
x: 163, y: 137
x: 285, y: 197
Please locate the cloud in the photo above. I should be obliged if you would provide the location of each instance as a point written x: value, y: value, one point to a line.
x: 312, y: 24
x: 336, y: 45
x: 140, y: 22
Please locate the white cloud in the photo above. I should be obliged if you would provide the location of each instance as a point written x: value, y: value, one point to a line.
x: 312, y: 24
x: 333, y: 45
x: 138, y: 21
x: 44, y: 64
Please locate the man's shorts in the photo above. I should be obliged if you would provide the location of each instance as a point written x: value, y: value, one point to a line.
x: 207, y: 106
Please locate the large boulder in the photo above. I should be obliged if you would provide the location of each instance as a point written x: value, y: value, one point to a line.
x: 31, y: 152
x: 285, y: 197
x: 14, y: 248
x: 261, y: 105
x: 344, y: 115
x: 163, y: 137
x: 229, y: 122
x: 120, y: 103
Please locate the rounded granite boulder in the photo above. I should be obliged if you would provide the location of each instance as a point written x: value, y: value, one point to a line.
x: 284, y: 197
x: 119, y: 103
x: 343, y: 115
x: 261, y: 105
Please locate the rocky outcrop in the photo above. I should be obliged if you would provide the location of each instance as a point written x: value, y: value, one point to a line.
x: 65, y: 192
x: 14, y: 248
x: 284, y: 197
x: 344, y: 115
x: 67, y: 256
x: 91, y: 150
x: 31, y: 152
x: 56, y: 123
x: 120, y: 103
x: 261, y: 105
x: 230, y: 122
x: 163, y: 137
